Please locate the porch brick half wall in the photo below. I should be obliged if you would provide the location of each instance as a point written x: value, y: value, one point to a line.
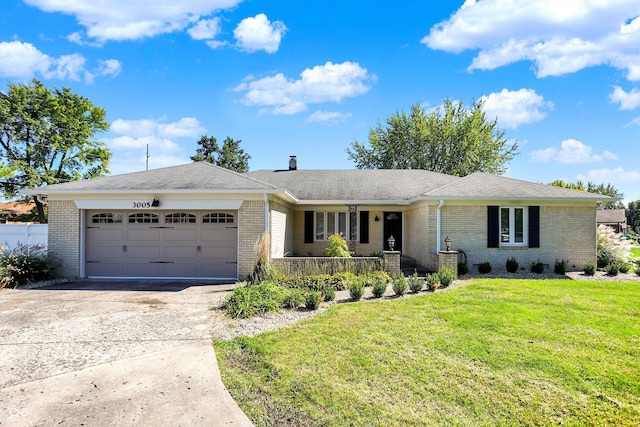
x: 64, y: 238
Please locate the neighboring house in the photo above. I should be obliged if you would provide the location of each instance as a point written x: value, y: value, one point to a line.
x: 200, y: 220
x: 614, y: 218
x: 10, y: 210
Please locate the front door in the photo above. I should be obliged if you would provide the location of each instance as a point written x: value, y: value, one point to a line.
x: 393, y: 227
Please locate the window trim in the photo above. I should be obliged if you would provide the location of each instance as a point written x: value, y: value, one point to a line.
x: 512, y: 227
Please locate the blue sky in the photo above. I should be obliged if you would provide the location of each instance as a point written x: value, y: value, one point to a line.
x: 309, y: 78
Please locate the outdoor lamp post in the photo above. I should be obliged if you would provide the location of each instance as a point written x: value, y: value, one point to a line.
x: 447, y: 242
x: 391, y: 241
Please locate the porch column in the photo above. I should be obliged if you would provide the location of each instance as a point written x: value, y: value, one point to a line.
x: 353, y: 227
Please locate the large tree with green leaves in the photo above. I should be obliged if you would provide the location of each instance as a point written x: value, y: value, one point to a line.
x: 229, y: 156
x: 633, y: 215
x: 449, y: 139
x: 47, y: 136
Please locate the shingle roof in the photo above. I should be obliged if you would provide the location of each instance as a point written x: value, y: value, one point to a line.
x: 352, y: 185
x: 485, y: 186
x: 193, y: 176
x: 611, y: 216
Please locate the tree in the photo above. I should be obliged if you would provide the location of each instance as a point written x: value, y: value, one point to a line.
x: 230, y: 156
x: 47, y: 137
x: 449, y: 139
x: 605, y: 190
x: 633, y: 215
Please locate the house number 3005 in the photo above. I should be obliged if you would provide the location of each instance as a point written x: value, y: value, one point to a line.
x: 139, y: 205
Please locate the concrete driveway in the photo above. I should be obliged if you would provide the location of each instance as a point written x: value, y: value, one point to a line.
x: 112, y: 353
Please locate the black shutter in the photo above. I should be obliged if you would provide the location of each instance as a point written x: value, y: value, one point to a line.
x: 308, y: 226
x: 493, y: 226
x: 534, y: 226
x: 364, y: 226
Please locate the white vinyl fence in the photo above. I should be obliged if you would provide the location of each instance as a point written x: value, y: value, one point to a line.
x: 27, y: 234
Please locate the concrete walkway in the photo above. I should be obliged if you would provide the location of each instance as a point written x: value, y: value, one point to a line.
x: 111, y: 357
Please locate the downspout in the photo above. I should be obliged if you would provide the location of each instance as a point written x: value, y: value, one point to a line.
x: 266, y: 222
x: 439, y: 225
x: 41, y: 200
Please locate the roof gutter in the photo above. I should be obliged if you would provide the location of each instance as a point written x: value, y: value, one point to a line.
x: 439, y: 225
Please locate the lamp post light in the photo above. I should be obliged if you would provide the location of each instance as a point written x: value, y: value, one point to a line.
x: 447, y: 242
x: 391, y: 241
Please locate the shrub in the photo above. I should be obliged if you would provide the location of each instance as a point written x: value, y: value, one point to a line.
x: 415, y: 283
x: 637, y: 263
x: 343, y: 281
x: 560, y: 266
x: 379, y: 287
x: 254, y: 300
x: 589, y: 268
x: 399, y: 285
x: 484, y: 267
x: 433, y: 281
x: 293, y: 299
x: 463, y: 268
x: 613, y: 269
x: 536, y: 267
x: 356, y: 290
x: 338, y: 247
x: 312, y: 300
x: 24, y: 264
x: 446, y: 275
x: 512, y: 265
x: 608, y: 252
x: 328, y: 292
x: 623, y: 267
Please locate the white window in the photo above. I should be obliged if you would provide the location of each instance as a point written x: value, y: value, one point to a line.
x: 328, y: 223
x: 513, y: 226
x: 180, y: 218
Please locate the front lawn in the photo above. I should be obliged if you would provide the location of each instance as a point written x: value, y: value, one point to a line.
x: 492, y: 352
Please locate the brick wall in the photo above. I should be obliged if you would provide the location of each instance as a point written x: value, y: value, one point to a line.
x: 64, y: 237
x: 250, y: 228
x: 566, y: 232
x: 420, y: 236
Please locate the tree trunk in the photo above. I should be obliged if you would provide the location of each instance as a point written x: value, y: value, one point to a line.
x: 40, y: 208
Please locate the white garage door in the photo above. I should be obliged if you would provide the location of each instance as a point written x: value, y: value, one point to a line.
x: 162, y: 244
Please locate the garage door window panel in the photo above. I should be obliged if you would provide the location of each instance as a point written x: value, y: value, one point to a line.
x: 217, y: 218
x: 180, y: 218
x: 106, y: 218
x: 143, y: 218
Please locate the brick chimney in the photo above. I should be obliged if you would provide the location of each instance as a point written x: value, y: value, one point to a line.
x: 293, y: 163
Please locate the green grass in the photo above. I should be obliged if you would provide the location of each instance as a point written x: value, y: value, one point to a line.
x: 635, y: 252
x: 491, y: 353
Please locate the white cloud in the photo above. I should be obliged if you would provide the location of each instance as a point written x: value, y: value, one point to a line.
x: 611, y: 175
x: 24, y: 61
x: 327, y: 117
x: 131, y: 20
x: 636, y: 121
x: 571, y: 152
x: 258, y: 33
x: 515, y: 108
x: 205, y: 29
x: 322, y: 83
x: 136, y: 129
x: 627, y: 100
x: 559, y: 37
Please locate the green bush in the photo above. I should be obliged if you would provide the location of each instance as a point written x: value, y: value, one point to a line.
x: 312, y: 300
x: 399, y: 285
x: 637, y: 268
x: 23, y: 265
x: 623, y: 267
x: 463, y: 268
x: 484, y: 267
x: 433, y: 281
x: 293, y: 299
x: 254, y: 300
x: 512, y: 265
x: 343, y: 281
x: 589, y: 268
x: 328, y: 292
x: 338, y: 247
x: 613, y: 269
x: 415, y: 283
x: 379, y: 287
x: 560, y: 266
x: 446, y: 275
x: 536, y: 267
x: 356, y: 290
